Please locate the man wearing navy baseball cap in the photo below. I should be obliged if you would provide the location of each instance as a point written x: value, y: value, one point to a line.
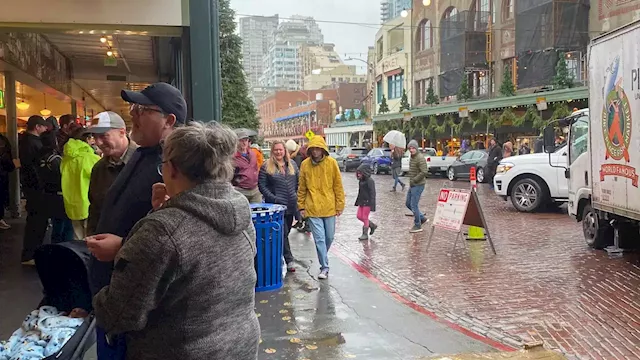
x: 155, y: 111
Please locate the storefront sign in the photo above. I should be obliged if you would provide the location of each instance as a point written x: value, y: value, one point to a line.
x: 541, y: 103
x: 463, y: 112
x: 455, y: 208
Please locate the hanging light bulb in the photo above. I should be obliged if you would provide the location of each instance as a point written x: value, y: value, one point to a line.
x: 45, y: 111
x: 23, y: 105
x: 426, y: 2
x: 404, y: 13
x: 103, y: 39
x: 109, y: 53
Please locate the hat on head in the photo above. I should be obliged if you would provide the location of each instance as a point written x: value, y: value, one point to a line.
x: 413, y: 144
x: 162, y: 95
x: 104, y: 122
x: 291, y: 145
x: 35, y: 120
x: 242, y: 134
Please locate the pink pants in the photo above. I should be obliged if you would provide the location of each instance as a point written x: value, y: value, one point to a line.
x: 363, y: 214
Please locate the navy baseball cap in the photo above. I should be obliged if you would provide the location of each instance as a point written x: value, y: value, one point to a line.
x: 163, y: 95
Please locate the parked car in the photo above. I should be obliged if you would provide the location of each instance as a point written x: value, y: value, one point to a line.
x: 461, y: 168
x: 379, y: 160
x: 349, y: 158
x: 440, y: 164
x: 530, y: 182
x: 427, y: 152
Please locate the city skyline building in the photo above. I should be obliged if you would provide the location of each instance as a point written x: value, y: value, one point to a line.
x: 256, y: 33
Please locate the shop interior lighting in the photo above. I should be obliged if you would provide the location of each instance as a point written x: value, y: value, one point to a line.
x: 426, y: 2
x: 45, y: 111
x: 22, y: 105
x: 103, y: 40
x: 404, y: 13
x: 109, y: 53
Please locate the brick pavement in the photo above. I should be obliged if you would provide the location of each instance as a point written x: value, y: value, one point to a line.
x: 544, y: 284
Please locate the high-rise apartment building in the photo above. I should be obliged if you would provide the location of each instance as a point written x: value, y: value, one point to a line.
x: 256, y: 33
x: 390, y: 9
x: 283, y: 65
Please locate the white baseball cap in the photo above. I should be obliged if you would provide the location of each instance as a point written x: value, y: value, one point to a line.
x: 105, y: 121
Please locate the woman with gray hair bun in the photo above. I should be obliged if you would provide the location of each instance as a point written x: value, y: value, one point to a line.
x: 186, y: 270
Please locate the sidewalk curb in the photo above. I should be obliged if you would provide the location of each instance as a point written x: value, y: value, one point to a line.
x: 452, y: 325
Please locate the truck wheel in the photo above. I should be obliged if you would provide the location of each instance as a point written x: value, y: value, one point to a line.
x: 597, y: 233
x: 527, y: 195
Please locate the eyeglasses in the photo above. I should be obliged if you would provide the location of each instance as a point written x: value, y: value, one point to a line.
x: 140, y: 109
x: 160, y: 166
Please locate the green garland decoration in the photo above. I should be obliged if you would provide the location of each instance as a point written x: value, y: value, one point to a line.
x: 478, y: 118
x: 560, y: 110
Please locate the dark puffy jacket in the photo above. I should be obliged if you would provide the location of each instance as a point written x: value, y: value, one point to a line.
x: 280, y: 188
x: 495, y: 155
x: 29, y: 149
x: 366, y: 188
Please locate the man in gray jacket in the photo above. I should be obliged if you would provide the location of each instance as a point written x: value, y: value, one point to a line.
x: 417, y: 179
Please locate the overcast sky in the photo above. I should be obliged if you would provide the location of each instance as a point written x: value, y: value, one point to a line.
x: 350, y: 39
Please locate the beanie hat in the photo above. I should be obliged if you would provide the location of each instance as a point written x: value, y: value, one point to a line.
x: 413, y: 144
x: 291, y: 145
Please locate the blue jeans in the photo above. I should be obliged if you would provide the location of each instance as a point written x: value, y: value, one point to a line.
x: 323, y: 230
x: 396, y: 177
x: 413, y: 199
x: 116, y: 351
x: 61, y: 230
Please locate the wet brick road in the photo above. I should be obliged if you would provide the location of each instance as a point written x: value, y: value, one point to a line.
x: 544, y: 284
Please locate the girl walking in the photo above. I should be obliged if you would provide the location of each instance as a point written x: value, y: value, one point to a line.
x: 366, y: 201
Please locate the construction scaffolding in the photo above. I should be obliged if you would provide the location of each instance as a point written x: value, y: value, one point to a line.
x: 544, y: 30
x: 463, y: 46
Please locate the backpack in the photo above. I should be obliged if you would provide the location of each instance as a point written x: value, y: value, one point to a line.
x: 49, y: 176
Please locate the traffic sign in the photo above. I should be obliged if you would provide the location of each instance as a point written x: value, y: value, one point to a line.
x: 309, y: 134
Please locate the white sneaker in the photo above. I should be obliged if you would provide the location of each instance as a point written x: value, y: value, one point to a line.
x: 323, y: 274
x: 4, y: 225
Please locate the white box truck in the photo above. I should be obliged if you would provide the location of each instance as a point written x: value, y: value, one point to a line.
x: 604, y: 143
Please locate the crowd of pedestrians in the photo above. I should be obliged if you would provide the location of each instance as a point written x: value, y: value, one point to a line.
x: 164, y: 211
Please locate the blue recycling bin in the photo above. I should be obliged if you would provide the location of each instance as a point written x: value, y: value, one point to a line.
x: 268, y: 220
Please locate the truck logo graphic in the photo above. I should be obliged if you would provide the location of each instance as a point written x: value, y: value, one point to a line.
x: 616, y: 125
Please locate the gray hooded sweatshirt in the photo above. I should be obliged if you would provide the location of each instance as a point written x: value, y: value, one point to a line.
x: 183, y: 282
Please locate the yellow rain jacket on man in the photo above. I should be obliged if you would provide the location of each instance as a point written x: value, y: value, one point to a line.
x: 320, y: 191
x: 77, y: 162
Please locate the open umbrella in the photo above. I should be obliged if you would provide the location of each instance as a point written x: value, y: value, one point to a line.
x: 395, y: 138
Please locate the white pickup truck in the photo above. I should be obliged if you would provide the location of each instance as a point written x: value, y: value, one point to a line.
x: 436, y: 164
x: 531, y: 182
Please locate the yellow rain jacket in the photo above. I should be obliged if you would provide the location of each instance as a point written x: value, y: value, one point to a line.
x: 77, y: 162
x: 320, y: 191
